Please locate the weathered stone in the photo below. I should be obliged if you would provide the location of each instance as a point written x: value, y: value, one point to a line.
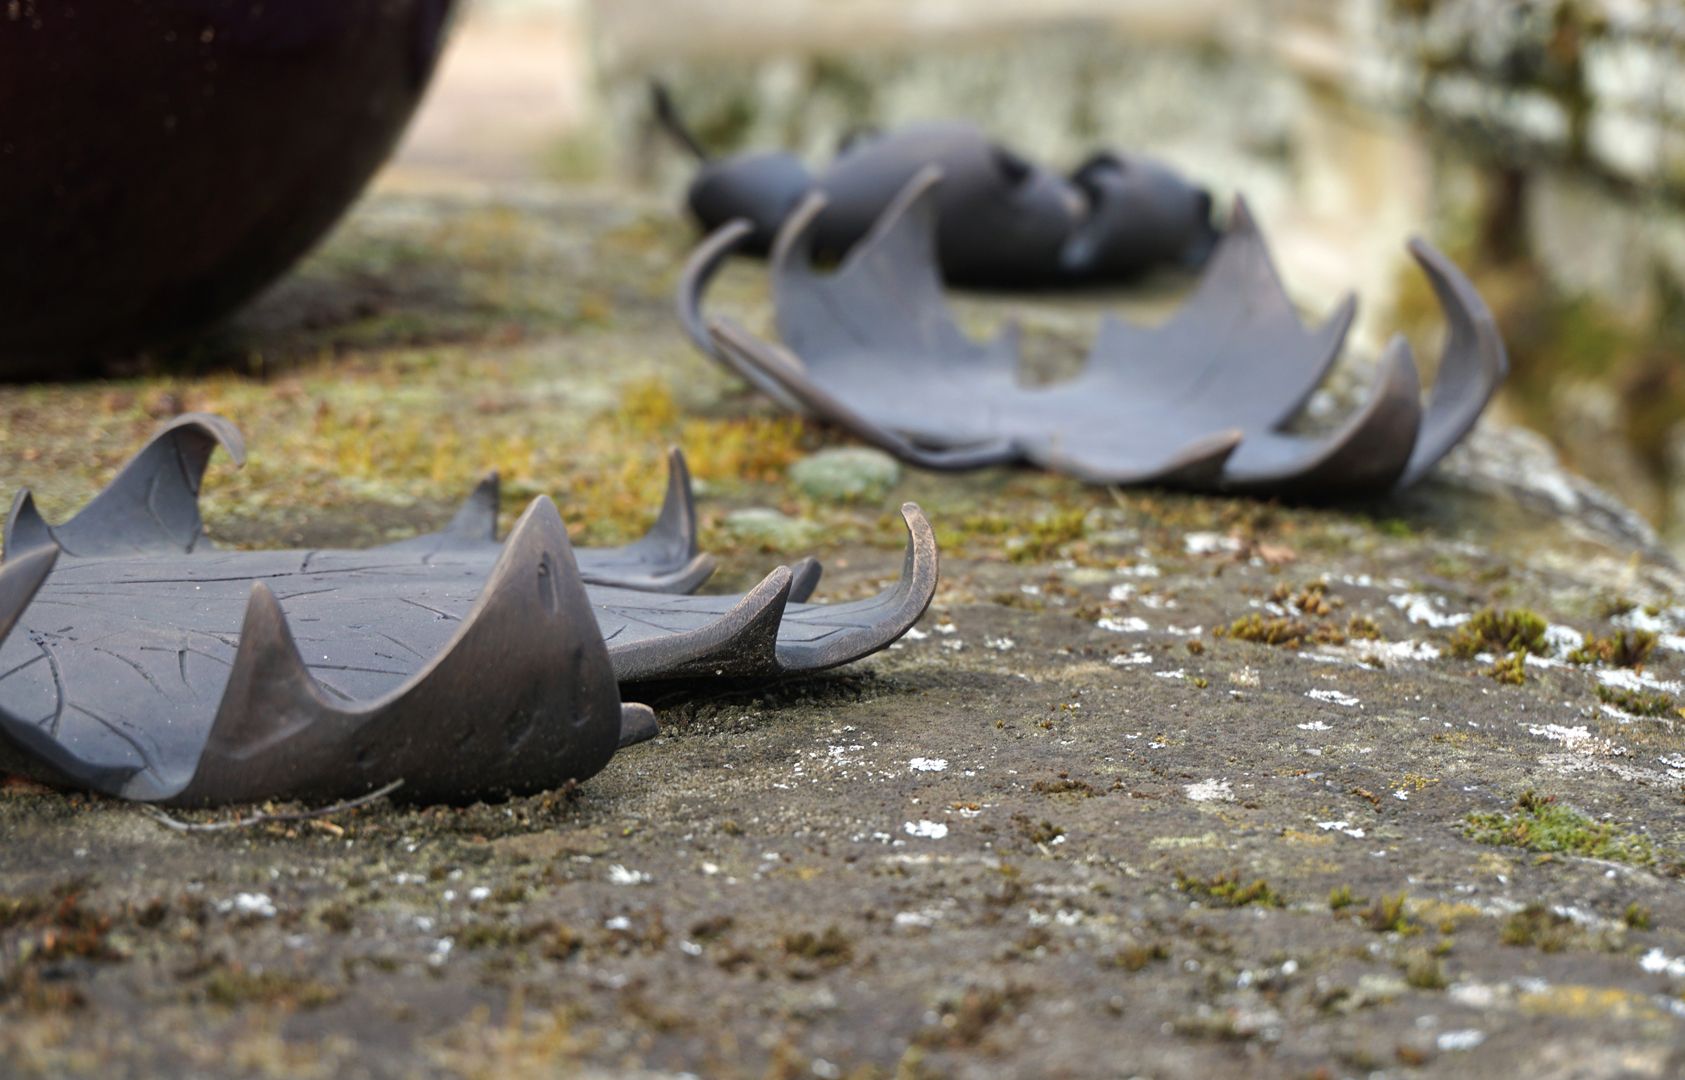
x: 770, y: 530
x: 846, y: 474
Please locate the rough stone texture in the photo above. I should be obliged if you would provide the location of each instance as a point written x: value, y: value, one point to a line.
x: 770, y: 530
x: 846, y: 473
x: 1003, y: 847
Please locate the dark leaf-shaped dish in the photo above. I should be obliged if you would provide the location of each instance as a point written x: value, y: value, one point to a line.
x: 1001, y: 219
x: 1205, y: 400
x: 137, y: 660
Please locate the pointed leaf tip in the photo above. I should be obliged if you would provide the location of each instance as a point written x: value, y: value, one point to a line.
x: 25, y: 528
x: 742, y: 641
x: 476, y: 518
x: 152, y: 505
x: 804, y: 579
x: 677, y: 520
x: 21, y: 577
x: 226, y: 434
x: 1241, y: 217
x: 699, y: 272
x: 1472, y: 365
x: 792, y: 250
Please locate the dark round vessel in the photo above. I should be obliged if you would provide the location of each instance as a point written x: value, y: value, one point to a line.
x: 163, y: 160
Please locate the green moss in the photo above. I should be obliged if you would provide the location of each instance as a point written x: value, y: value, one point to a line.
x: 829, y: 949
x: 1311, y: 600
x: 1289, y: 633
x: 841, y: 81
x: 1542, y: 824
x: 54, y: 926
x: 544, y: 937
x: 1064, y: 785
x: 1037, y: 832
x: 1637, y: 916
x: 233, y: 987
x: 1491, y: 630
x: 730, y: 452
x: 1229, y: 890
x: 1423, y: 970
x: 1363, y: 628
x: 1137, y: 957
x: 1510, y: 670
x: 960, y: 532
x: 1387, y: 915
x: 1628, y: 648
x: 339, y: 918
x: 1637, y: 702
x: 964, y: 1023
x: 1535, y: 926
x: 1614, y: 606
x: 1050, y: 536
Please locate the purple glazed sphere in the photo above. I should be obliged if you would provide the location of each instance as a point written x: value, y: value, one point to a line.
x: 163, y: 160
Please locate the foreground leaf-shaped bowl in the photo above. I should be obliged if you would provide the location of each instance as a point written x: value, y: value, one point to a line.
x: 137, y: 660
x: 1206, y: 400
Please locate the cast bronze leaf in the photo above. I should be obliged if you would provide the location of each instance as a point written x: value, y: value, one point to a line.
x: 1001, y: 219
x: 138, y: 660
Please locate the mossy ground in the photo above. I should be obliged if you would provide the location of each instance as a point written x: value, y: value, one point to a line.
x: 1230, y: 860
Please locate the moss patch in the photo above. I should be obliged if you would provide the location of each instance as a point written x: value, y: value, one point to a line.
x: 1627, y: 648
x: 1229, y: 890
x: 1492, y: 630
x: 1541, y: 824
x: 1536, y: 926
x: 234, y: 987
x: 1510, y: 670
x: 1637, y: 702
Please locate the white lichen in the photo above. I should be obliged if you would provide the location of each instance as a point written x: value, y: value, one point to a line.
x: 1209, y: 791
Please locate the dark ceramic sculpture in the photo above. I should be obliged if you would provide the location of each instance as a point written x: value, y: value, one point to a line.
x: 160, y: 162
x: 1205, y: 400
x: 136, y: 660
x: 1001, y: 220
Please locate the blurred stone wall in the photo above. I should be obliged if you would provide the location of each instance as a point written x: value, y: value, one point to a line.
x: 1588, y: 94
x: 1571, y: 115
